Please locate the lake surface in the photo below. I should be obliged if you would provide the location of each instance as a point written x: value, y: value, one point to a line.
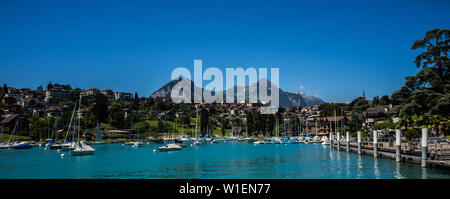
x: 224, y: 160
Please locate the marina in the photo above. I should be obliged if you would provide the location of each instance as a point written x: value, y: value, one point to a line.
x: 227, y: 159
x: 225, y: 90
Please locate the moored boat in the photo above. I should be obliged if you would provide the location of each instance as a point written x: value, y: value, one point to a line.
x: 22, y: 145
x: 83, y: 149
x: 5, y: 146
x: 181, y: 143
x: 170, y: 147
x: 259, y: 142
x: 68, y: 146
x: 56, y: 146
x: 326, y: 142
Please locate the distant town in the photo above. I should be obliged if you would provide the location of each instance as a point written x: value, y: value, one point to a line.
x: 45, y: 114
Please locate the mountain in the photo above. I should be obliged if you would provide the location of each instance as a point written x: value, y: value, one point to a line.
x: 287, y: 99
x: 165, y: 90
x: 311, y: 100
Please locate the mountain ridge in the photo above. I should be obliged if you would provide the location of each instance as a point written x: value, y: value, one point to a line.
x: 287, y: 99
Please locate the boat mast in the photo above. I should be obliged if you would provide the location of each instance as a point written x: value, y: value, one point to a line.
x: 14, y: 130
x: 276, y: 130
x: 330, y: 130
x: 284, y: 126
x: 79, y: 117
x: 301, y: 129
x: 70, y: 123
x: 48, y: 129
x: 196, y: 119
x: 315, y: 120
x: 292, y: 127
x: 138, y: 128
x: 335, y: 122
x: 164, y: 126
x: 246, y: 128
x: 342, y: 122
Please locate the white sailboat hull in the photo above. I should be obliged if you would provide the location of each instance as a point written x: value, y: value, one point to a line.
x: 170, y: 147
x: 83, y: 149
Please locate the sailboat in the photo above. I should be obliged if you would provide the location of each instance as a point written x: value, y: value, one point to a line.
x: 8, y: 144
x: 259, y: 142
x: 316, y: 138
x: 182, y: 142
x: 21, y: 145
x: 169, y: 146
x: 325, y: 140
x: 5, y: 145
x: 198, y: 141
x: 138, y: 143
x: 55, y: 145
x: 68, y: 146
x: 81, y: 148
x: 274, y: 140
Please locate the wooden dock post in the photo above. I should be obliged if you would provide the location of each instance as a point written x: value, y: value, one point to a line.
x: 348, y: 141
x: 424, y: 146
x: 398, y: 145
x: 359, y: 142
x: 375, y: 144
x: 338, y: 140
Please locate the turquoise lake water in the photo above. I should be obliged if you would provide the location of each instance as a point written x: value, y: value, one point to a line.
x: 224, y: 160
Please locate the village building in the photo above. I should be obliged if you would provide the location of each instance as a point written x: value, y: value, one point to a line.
x: 123, y: 96
x: 90, y: 92
x: 56, y: 93
x: 108, y: 93
x: 236, y: 131
x: 8, y: 122
x: 53, y: 111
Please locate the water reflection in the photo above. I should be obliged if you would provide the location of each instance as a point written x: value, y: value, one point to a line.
x: 397, y: 173
x: 360, y: 167
x: 348, y: 168
x: 424, y: 173
x: 376, y: 168
x: 236, y: 160
x: 331, y: 153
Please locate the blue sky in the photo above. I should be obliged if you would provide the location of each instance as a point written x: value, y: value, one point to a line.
x: 333, y: 49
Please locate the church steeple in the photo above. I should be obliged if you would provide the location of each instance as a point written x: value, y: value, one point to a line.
x: 364, y: 94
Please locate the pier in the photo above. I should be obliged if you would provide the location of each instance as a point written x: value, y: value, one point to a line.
x: 426, y: 154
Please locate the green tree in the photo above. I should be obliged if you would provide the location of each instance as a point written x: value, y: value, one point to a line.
x: 135, y: 105
x: 117, y: 116
x: 184, y: 120
x: 37, y: 126
x: 250, y: 123
x: 160, y: 126
x: 223, y: 126
x: 101, y: 107
x: 5, y: 88
x: 258, y: 123
x: 376, y: 100
x: 270, y: 124
x: 49, y: 85
x: 412, y: 133
x: 90, y: 121
x: 428, y: 92
x: 358, y: 105
x: 204, y: 118
x: 385, y: 100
